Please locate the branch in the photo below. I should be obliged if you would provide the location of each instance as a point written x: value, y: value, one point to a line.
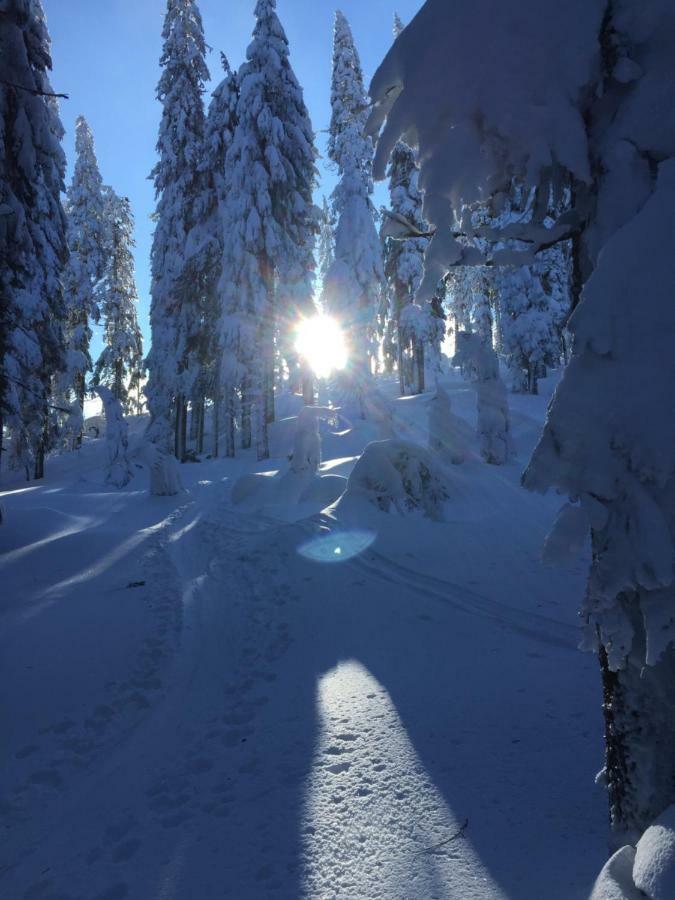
x: 35, y: 394
x: 453, y: 837
x: 33, y: 91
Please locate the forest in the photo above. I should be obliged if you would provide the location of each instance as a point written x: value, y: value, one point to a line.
x: 337, y: 477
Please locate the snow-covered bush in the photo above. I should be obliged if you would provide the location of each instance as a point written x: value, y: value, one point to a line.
x: 446, y: 430
x: 164, y: 474
x: 119, y: 472
x: 397, y: 476
x: 479, y: 363
x: 307, y: 442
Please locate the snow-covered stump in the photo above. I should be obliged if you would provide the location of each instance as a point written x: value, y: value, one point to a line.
x: 446, y: 437
x: 479, y: 363
x: 397, y: 476
x: 119, y: 472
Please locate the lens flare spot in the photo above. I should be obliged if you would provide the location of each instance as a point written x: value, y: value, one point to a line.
x: 337, y: 547
x: 321, y: 342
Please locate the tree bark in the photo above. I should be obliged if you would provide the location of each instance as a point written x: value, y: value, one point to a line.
x: 639, y: 713
x: 246, y: 439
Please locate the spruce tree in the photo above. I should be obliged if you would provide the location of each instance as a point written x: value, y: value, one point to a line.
x: 404, y: 268
x: 86, y: 266
x: 269, y: 228
x: 175, y: 314
x: 121, y: 358
x: 33, y: 247
x: 352, y: 288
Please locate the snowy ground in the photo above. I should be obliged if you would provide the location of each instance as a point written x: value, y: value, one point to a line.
x: 194, y: 709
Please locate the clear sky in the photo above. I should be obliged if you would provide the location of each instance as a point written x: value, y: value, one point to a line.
x: 106, y: 59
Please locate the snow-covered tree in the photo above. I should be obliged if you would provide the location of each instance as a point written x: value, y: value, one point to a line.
x: 591, y: 107
x: 118, y: 472
x: 326, y: 244
x: 33, y: 246
x: 404, y: 268
x: 122, y: 355
x: 353, y: 284
x: 204, y: 251
x: 87, y: 242
x: 175, y: 315
x: 479, y: 363
x: 530, y: 339
x: 447, y: 438
x: 269, y: 223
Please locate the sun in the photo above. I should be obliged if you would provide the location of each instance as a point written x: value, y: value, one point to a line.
x: 321, y: 343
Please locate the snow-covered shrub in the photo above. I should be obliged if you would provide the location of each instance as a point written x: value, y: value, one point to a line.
x: 446, y: 430
x: 479, y: 363
x: 164, y: 475
x: 397, y: 476
x: 119, y: 471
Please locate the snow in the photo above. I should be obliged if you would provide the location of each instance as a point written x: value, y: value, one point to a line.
x: 654, y: 869
x: 200, y: 708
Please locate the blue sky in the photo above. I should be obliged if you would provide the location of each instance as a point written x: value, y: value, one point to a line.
x: 106, y: 59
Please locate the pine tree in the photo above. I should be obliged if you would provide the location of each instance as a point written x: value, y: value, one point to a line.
x: 269, y: 227
x: 353, y: 285
x: 86, y: 266
x: 174, y: 314
x: 121, y: 358
x: 33, y: 247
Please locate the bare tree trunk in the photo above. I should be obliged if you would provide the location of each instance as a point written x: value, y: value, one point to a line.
x: 419, y: 360
x: 181, y: 427
x: 216, y: 427
x: 39, y: 471
x: 246, y: 439
x: 200, y: 426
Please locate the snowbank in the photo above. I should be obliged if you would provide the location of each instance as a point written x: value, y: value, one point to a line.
x: 646, y: 871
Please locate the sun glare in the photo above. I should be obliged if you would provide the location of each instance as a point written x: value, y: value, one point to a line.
x: 321, y: 343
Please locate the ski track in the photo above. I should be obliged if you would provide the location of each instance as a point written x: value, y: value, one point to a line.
x: 288, y: 730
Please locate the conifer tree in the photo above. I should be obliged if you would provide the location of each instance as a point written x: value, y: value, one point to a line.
x: 121, y: 358
x: 86, y: 266
x: 33, y: 247
x: 175, y: 314
x: 353, y: 285
x: 270, y: 224
x: 404, y: 268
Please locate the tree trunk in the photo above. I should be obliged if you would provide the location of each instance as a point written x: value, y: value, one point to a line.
x: 39, y: 471
x: 79, y: 393
x: 400, y: 363
x: 181, y: 428
x: 308, y: 388
x: 230, y: 449
x: 246, y: 438
x: 639, y: 711
x: 419, y: 360
x: 262, y: 420
x: 216, y: 427
x: 200, y: 426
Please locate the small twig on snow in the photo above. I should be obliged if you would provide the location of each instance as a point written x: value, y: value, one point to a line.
x: 453, y: 837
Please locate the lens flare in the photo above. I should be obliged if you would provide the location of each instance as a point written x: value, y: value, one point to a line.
x: 337, y: 546
x: 321, y: 343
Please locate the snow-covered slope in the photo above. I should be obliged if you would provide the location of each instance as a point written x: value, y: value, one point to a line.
x: 194, y: 706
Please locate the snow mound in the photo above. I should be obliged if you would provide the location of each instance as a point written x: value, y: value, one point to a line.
x: 654, y: 868
x: 615, y: 882
x: 396, y: 476
x: 645, y: 871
